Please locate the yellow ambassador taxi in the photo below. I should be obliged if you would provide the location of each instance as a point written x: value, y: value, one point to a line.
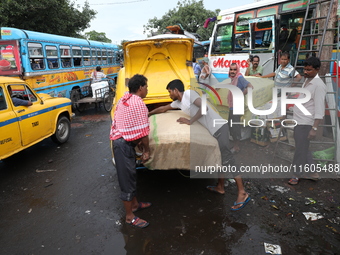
x: 24, y: 126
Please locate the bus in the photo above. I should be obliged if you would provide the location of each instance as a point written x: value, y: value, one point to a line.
x: 261, y: 28
x: 54, y: 64
x: 201, y: 50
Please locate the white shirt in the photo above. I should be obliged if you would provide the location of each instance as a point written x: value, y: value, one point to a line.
x: 316, y: 105
x: 188, y: 107
x: 98, y: 78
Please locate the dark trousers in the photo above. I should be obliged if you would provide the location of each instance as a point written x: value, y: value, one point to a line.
x: 222, y: 137
x: 125, y: 158
x: 235, y: 129
x: 302, y: 155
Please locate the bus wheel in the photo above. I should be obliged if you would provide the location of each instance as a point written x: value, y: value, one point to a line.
x: 80, y: 107
x: 62, y: 131
x: 74, y: 96
x: 108, y: 100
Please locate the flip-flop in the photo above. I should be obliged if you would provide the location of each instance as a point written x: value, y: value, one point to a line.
x: 134, y: 223
x: 293, y: 181
x: 244, y: 203
x: 213, y: 189
x: 142, y: 205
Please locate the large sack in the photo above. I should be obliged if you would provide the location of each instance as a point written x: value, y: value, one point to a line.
x: 180, y: 146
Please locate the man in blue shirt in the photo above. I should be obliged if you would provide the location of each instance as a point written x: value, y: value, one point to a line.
x: 197, y: 68
x: 238, y: 80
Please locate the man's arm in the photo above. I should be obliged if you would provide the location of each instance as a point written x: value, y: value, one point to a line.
x: 312, y: 132
x: 198, y: 103
x: 161, y: 109
x: 247, y: 71
x: 296, y: 79
x: 249, y: 85
x: 144, y: 142
x: 268, y: 75
x: 21, y: 102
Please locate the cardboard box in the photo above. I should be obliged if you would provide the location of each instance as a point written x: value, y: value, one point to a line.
x: 260, y: 135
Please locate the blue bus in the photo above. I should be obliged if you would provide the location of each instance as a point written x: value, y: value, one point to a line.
x: 54, y: 64
x: 201, y: 50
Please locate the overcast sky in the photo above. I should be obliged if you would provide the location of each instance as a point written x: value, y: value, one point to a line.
x: 124, y: 19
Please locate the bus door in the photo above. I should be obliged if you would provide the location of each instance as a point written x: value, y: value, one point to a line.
x: 262, y: 41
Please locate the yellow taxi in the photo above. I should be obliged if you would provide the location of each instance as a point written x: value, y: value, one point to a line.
x: 27, y: 118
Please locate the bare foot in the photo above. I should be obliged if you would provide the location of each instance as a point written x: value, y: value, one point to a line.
x: 216, y: 189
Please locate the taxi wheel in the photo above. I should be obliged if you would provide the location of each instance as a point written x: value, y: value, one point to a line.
x: 62, y: 132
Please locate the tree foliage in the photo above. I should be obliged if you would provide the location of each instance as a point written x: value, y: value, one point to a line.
x: 48, y: 16
x: 191, y: 14
x: 97, y: 36
x: 122, y: 43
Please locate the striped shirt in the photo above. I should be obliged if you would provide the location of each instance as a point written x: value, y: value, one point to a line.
x: 284, y: 76
x: 130, y: 119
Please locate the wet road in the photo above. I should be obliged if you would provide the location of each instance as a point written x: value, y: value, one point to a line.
x: 65, y: 200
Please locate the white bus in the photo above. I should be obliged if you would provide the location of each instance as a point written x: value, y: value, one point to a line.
x: 254, y: 29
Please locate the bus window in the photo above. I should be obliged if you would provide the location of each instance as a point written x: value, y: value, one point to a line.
x: 65, y: 53
x: 104, y: 57
x: 267, y: 11
x: 87, y: 56
x: 36, y: 56
x: 76, y: 54
x: 199, y: 51
x: 110, y: 57
x: 99, y: 55
x: 223, y: 39
x: 94, y: 57
x: 262, y: 40
x: 52, y: 57
x: 242, y: 21
x: 242, y: 42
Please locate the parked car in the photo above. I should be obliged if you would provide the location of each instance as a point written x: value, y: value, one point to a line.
x: 24, y: 126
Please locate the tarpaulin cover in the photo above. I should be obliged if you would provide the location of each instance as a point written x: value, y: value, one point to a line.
x: 180, y: 146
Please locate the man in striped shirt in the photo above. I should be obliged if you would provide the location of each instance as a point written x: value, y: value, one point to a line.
x: 130, y: 127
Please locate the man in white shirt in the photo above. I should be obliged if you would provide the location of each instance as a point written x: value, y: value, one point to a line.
x: 307, y: 125
x: 190, y: 103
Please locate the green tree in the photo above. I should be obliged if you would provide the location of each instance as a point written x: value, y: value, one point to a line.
x: 191, y: 14
x: 122, y: 44
x: 96, y: 36
x: 48, y: 16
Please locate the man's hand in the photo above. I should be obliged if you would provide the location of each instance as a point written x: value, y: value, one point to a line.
x: 182, y: 120
x: 145, y: 156
x: 312, y: 134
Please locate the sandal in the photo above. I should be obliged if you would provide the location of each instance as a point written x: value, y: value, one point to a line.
x: 293, y: 181
x: 142, y: 205
x: 138, y: 223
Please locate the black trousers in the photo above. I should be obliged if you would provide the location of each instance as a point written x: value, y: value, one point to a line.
x: 125, y: 158
x: 222, y: 137
x: 302, y: 155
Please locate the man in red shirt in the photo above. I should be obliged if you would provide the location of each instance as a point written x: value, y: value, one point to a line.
x: 131, y: 127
